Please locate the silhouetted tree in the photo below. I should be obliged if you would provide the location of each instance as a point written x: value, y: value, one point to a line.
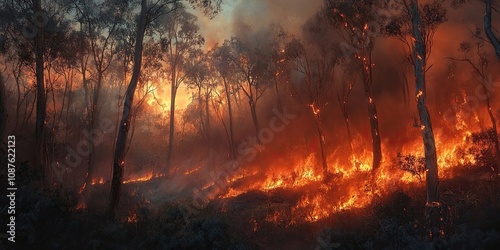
x: 181, y: 40
x: 148, y: 14
x: 316, y: 67
x: 358, y: 22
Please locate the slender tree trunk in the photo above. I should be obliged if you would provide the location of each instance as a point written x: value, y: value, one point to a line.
x: 119, y: 103
x: 207, y: 120
x: 487, y: 29
x: 220, y: 117
x: 172, y: 123
x: 253, y: 110
x: 41, y: 95
x: 348, y: 128
x: 92, y: 125
x: 3, y: 113
x: 496, y: 45
x: 279, y: 98
x: 201, y: 113
x: 344, y: 107
x: 119, y: 157
x: 494, y: 126
x: 17, y: 75
x: 70, y: 101
x: 432, y: 179
x: 372, y: 111
x: 230, y: 111
x: 321, y: 145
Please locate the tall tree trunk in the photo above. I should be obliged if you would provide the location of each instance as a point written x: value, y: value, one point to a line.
x: 321, y: 145
x: 207, y: 121
x: 431, y: 174
x: 172, y: 123
x: 3, y: 113
x: 487, y: 29
x: 230, y: 111
x: 70, y: 101
x: 372, y: 110
x: 201, y: 113
x: 41, y: 95
x: 17, y: 75
x: 119, y: 157
x: 344, y: 107
x: 279, y: 97
x: 92, y: 125
x: 348, y: 128
x: 253, y: 110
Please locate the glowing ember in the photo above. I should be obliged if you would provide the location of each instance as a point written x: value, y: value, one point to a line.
x: 132, y: 218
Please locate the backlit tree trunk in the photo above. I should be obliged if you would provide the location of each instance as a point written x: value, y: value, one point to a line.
x: 253, y: 110
x: 171, y: 134
x: 230, y: 111
x: 40, y: 95
x: 431, y: 173
x: 119, y: 156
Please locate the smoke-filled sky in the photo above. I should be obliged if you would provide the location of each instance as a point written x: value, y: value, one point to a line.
x: 240, y: 16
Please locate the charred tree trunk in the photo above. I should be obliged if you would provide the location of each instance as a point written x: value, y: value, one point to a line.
x: 253, y: 110
x: 17, y: 75
x: 496, y: 45
x: 372, y: 111
x: 432, y: 180
x: 172, y: 122
x: 279, y: 97
x: 344, y: 107
x: 230, y: 111
x: 201, y: 113
x: 207, y: 121
x: 40, y: 95
x: 487, y: 29
x: 119, y: 157
x: 92, y: 125
x: 321, y: 138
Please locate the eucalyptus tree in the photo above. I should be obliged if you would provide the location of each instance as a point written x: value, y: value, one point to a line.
x: 150, y: 11
x: 180, y: 40
x: 357, y: 23
x: 202, y: 79
x: 221, y: 58
x: 34, y: 31
x: 252, y: 64
x: 315, y: 66
x: 100, y: 22
x: 415, y: 26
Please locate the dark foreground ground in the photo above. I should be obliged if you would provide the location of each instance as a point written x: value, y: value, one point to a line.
x: 47, y: 220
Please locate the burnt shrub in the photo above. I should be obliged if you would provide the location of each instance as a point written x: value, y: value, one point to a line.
x: 411, y: 163
x: 482, y: 147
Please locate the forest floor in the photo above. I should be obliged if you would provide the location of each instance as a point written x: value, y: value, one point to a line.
x: 258, y: 220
